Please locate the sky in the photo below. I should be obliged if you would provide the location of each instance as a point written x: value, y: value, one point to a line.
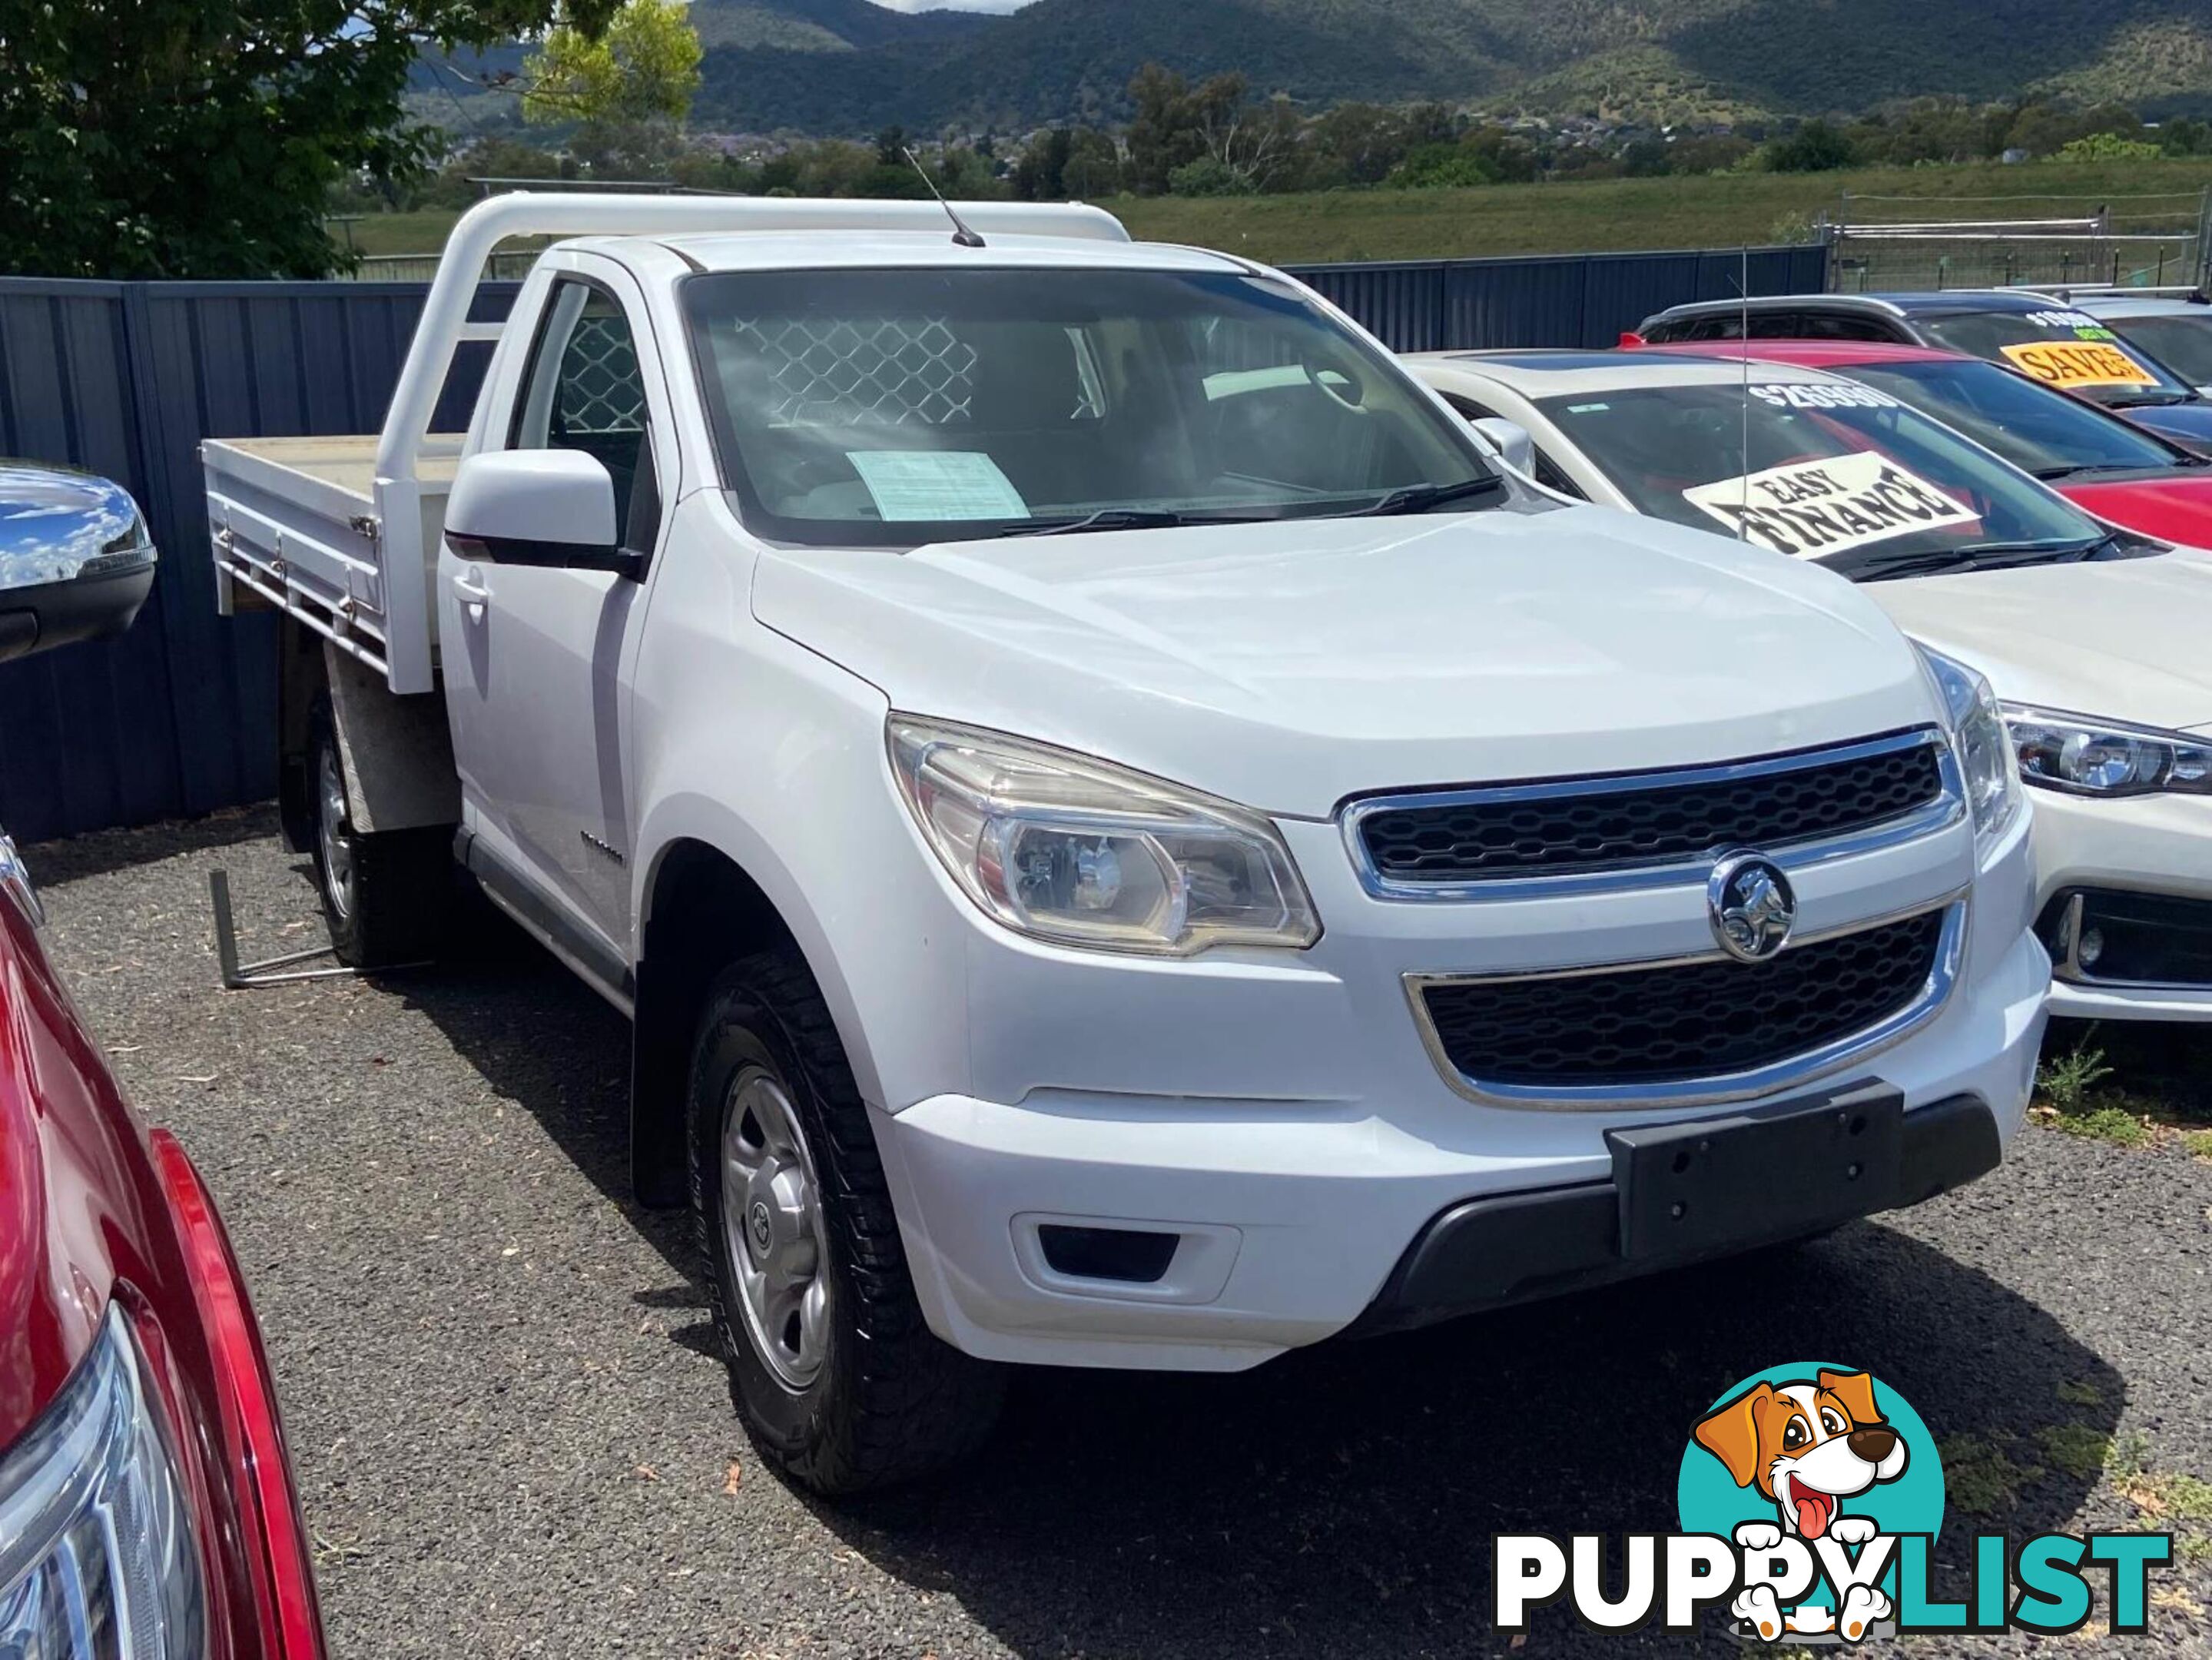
x: 954, y: 5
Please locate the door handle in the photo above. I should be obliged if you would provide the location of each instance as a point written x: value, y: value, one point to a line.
x: 470, y: 589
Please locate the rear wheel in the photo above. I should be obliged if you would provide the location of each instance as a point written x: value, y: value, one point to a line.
x: 832, y: 1366
x: 384, y: 895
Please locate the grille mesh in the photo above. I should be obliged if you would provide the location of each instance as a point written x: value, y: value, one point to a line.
x: 1688, y: 1021
x: 1480, y: 840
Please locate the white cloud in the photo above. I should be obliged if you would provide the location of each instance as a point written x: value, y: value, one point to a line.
x: 1001, y: 6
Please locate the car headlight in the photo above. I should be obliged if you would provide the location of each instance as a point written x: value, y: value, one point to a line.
x: 15, y: 881
x: 1978, y: 738
x: 1064, y: 848
x: 96, y: 1557
x: 2083, y: 756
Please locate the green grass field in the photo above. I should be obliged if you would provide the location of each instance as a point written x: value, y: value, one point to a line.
x: 1717, y: 211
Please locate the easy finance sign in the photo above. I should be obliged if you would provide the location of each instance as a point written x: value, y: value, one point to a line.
x: 1811, y: 508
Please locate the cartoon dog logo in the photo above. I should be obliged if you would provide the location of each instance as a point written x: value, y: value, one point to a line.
x: 1807, y: 1446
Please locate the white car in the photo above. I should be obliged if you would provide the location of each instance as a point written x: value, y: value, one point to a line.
x: 2094, y: 636
x: 2175, y: 330
x: 1126, y: 841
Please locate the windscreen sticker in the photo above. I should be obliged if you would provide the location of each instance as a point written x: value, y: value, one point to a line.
x: 1796, y: 395
x: 2079, y: 363
x: 908, y: 484
x: 2075, y: 320
x: 1812, y: 508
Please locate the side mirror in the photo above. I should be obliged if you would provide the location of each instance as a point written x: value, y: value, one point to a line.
x: 77, y: 561
x: 554, y: 508
x: 1510, y: 439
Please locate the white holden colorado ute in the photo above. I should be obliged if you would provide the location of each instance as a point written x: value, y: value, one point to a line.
x: 1125, y: 839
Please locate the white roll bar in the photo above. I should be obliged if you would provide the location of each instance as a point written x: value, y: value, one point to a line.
x: 526, y: 213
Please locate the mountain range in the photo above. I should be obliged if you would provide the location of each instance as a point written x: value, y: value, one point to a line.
x: 851, y: 66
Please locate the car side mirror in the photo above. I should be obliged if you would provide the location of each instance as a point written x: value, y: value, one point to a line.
x: 77, y: 561
x: 1510, y: 439
x: 552, y: 508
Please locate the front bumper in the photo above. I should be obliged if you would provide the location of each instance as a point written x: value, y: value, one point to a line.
x: 1294, y: 1213
x: 1490, y: 1253
x: 2154, y: 845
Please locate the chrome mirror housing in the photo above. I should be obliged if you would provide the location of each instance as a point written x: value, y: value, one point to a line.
x: 76, y: 560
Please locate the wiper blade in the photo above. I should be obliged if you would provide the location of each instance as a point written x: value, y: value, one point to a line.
x: 1920, y: 564
x: 1419, y: 498
x: 2089, y: 469
x: 1114, y: 519
x: 1989, y: 556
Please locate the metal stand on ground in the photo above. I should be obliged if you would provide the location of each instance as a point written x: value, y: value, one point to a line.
x: 271, y: 970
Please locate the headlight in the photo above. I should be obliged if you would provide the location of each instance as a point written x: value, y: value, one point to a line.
x: 15, y: 880
x: 1064, y: 848
x: 1979, y: 740
x: 95, y: 1556
x: 2083, y: 756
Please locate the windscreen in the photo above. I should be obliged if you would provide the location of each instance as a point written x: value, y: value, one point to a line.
x: 2068, y: 349
x: 2037, y: 429
x: 894, y: 407
x: 1841, y: 473
x: 2181, y: 340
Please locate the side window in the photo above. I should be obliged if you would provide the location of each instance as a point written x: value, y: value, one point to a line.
x: 583, y: 392
x: 1468, y: 408
x: 1834, y: 326
x: 1549, y: 476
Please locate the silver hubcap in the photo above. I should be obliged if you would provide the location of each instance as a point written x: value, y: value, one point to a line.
x: 772, y: 1228
x: 330, y: 824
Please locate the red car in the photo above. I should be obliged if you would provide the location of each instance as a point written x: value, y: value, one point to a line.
x: 145, y: 1503
x: 2118, y: 471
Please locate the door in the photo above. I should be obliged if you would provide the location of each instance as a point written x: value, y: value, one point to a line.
x: 537, y: 660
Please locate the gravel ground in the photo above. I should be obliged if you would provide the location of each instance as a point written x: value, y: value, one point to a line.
x: 514, y: 1436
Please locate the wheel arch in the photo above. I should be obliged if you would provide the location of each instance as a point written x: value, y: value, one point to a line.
x: 701, y: 906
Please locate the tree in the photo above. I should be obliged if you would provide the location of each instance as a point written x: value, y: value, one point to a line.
x: 1439, y: 167
x: 186, y: 138
x: 1041, y: 171
x: 2107, y: 147
x: 1094, y: 168
x: 1164, y: 132
x: 1816, y: 147
x: 1178, y: 124
x: 1208, y: 176
x: 2183, y: 136
x: 640, y: 67
x: 1254, y: 146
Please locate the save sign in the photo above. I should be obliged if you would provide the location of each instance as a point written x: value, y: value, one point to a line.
x: 1809, y: 509
x: 2064, y: 363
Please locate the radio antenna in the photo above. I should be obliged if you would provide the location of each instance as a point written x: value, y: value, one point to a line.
x: 961, y: 236
x: 1743, y: 348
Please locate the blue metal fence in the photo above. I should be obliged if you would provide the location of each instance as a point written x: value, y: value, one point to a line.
x: 125, y: 379
x: 1550, y: 299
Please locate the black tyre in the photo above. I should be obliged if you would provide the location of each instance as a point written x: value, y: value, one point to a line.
x: 386, y: 896
x: 832, y: 1366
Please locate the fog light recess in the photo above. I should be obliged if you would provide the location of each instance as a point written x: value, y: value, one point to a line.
x: 1129, y: 1255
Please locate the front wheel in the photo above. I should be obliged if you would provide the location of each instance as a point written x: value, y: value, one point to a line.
x: 832, y: 1366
